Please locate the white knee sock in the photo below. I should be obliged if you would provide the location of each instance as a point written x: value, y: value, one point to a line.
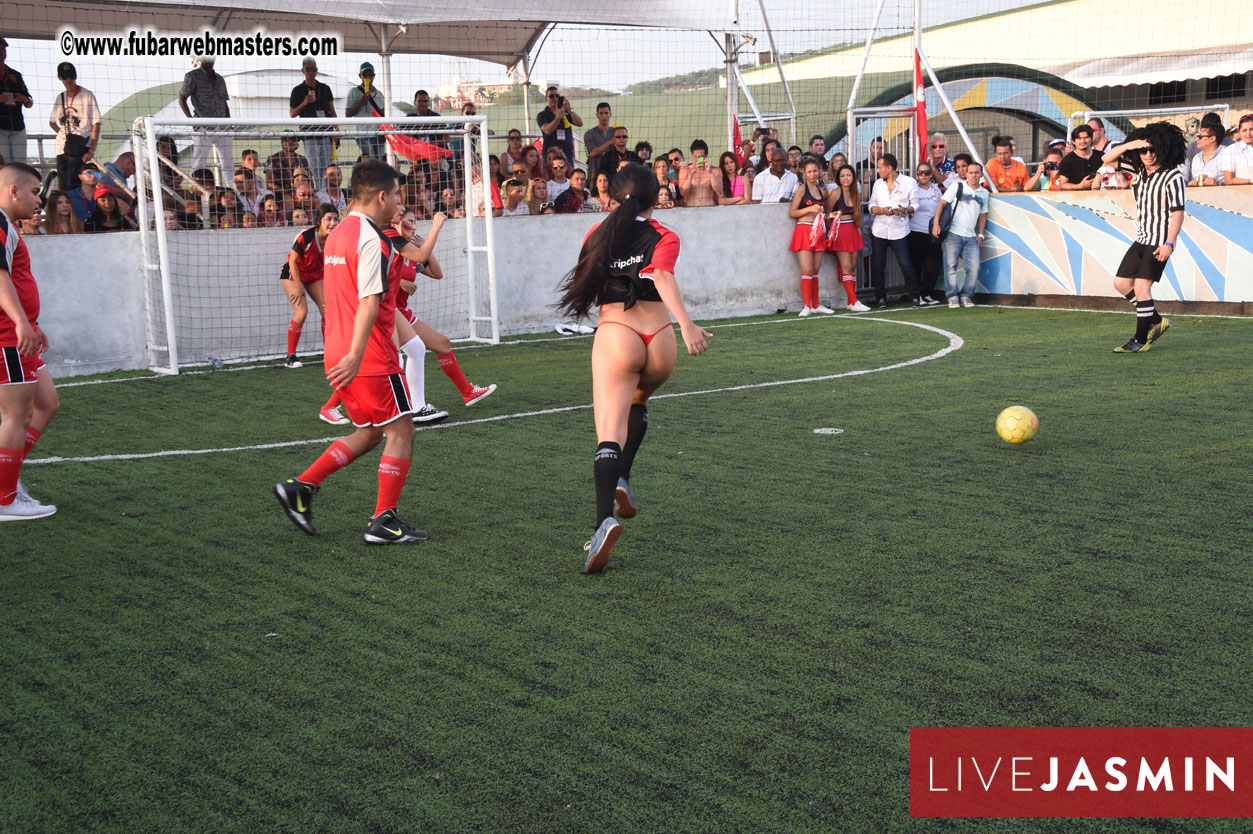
x: 415, y: 374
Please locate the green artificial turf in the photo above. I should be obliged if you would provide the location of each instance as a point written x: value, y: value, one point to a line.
x: 177, y: 657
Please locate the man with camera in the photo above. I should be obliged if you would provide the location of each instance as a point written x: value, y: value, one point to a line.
x: 1047, y: 176
x: 366, y: 101
x: 555, y: 122
x: 1080, y: 167
x: 76, y: 120
x: 696, y: 178
x: 311, y: 99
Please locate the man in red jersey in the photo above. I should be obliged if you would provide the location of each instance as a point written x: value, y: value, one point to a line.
x: 361, y: 359
x: 28, y: 399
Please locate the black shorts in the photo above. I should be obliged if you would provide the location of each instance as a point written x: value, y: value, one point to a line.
x: 1140, y: 263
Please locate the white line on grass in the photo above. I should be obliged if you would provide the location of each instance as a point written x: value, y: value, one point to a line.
x: 505, y: 343
x: 955, y: 342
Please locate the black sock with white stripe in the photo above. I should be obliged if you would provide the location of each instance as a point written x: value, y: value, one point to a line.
x: 606, y: 467
x: 1146, y: 317
x: 1130, y: 295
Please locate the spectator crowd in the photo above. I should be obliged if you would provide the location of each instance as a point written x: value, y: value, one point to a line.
x: 539, y: 173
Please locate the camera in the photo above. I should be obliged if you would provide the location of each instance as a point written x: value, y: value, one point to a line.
x: 561, y: 101
x: 1051, y: 166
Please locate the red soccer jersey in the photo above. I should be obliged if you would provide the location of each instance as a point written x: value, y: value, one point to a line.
x: 308, y: 257
x: 15, y: 259
x: 403, y: 269
x: 358, y: 260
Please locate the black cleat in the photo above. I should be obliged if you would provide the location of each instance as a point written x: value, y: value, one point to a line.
x: 1133, y: 346
x: 385, y: 528
x: 297, y: 499
x: 429, y: 414
x: 1156, y: 331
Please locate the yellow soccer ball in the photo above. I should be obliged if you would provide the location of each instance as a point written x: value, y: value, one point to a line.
x: 1017, y: 424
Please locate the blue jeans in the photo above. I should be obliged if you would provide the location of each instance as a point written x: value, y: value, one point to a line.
x: 319, y: 153
x: 966, y: 248
x: 878, y: 263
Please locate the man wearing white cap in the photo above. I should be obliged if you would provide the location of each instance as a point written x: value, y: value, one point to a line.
x: 366, y: 101
x: 207, y: 92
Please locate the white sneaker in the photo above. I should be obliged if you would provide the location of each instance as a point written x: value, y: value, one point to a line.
x: 585, y: 329
x: 25, y: 508
x: 805, y: 311
x: 954, y: 302
x: 21, y: 489
x: 822, y: 308
x: 429, y: 414
x: 928, y: 301
x: 858, y: 307
x: 968, y: 302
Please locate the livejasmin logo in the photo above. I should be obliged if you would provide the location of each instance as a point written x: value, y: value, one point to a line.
x: 1150, y: 777
x: 1081, y: 771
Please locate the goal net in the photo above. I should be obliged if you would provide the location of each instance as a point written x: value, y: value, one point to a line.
x: 226, y: 200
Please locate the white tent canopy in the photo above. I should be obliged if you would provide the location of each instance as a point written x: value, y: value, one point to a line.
x: 494, y: 31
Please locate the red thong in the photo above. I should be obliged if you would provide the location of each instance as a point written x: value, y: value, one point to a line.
x: 645, y: 339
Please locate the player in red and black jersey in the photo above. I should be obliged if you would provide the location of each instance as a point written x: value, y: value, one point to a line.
x: 627, y: 267
x: 28, y: 399
x: 417, y: 256
x: 361, y: 359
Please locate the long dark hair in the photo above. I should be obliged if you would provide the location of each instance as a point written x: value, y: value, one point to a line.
x: 722, y: 171
x: 635, y: 188
x: 1167, y: 140
x: 854, y: 191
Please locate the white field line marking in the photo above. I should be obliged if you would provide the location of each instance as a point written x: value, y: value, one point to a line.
x: 476, y: 346
x: 790, y: 320
x: 955, y: 342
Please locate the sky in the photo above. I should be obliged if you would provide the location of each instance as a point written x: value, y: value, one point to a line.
x: 571, y: 56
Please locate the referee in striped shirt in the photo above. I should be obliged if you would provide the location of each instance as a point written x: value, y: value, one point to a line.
x: 1153, y: 154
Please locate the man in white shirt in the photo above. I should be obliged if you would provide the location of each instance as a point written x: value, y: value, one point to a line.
x: 1210, y: 162
x: 250, y: 196
x: 776, y: 184
x: 965, y: 234
x: 514, y: 207
x: 893, y: 199
x: 1239, y: 167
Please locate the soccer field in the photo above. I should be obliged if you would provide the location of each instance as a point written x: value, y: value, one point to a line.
x: 177, y: 657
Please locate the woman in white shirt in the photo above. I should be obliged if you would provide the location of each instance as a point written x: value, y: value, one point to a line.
x: 1239, y: 167
x: 924, y: 249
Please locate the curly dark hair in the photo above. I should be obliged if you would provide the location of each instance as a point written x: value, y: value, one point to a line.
x: 1167, y: 140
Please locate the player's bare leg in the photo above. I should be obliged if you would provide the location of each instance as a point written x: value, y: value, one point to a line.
x: 295, y: 292
x: 17, y: 412
x: 442, y: 347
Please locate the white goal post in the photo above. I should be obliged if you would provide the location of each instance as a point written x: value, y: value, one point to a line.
x: 211, y: 279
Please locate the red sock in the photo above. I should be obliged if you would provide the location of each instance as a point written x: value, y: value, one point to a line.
x: 850, y: 288
x: 335, y: 458
x: 32, y: 437
x: 392, y: 474
x: 10, y: 467
x: 449, y: 365
x: 293, y: 335
x: 333, y: 401
x: 805, y: 292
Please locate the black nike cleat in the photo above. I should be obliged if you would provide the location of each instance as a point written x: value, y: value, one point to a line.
x: 297, y: 499
x: 385, y: 528
x: 1134, y: 346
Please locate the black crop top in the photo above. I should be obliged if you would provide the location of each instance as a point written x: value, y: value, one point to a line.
x: 647, y: 247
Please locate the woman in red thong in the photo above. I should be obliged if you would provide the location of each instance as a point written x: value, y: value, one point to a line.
x: 626, y: 267
x: 646, y: 338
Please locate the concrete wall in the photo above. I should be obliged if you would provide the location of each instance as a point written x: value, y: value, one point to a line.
x: 734, y: 261
x: 91, y: 290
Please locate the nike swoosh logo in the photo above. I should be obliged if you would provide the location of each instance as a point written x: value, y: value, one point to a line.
x: 300, y: 505
x: 393, y: 532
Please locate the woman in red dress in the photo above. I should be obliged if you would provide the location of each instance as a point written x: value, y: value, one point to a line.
x: 809, y: 240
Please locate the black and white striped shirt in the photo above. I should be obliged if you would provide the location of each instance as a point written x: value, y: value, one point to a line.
x: 1157, y: 196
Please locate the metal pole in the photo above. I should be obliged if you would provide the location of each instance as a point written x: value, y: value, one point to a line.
x: 778, y: 62
x: 488, y: 231
x: 865, y: 55
x: 385, y: 63
x: 467, y: 164
x: 163, y: 252
x: 526, y: 92
x: 948, y: 105
x: 733, y: 90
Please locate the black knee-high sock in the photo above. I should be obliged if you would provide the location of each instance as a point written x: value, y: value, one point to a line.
x: 605, y: 469
x: 1146, y: 317
x: 1130, y: 295
x: 637, y: 426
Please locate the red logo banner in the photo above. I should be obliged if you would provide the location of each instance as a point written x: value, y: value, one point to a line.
x: 1081, y: 771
